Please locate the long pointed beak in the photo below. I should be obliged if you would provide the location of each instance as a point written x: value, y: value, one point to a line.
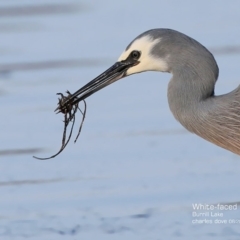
x: 114, y: 73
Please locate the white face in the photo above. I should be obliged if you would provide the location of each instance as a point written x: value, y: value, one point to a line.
x: 147, y: 61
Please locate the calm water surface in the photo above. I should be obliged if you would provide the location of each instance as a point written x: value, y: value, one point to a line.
x: 134, y: 172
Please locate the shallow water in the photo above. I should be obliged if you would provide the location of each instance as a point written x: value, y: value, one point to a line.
x: 134, y: 172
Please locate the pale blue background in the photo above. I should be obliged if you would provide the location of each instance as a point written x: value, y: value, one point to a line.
x: 134, y: 172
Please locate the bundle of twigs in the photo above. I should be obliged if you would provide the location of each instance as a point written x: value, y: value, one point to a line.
x: 69, y: 112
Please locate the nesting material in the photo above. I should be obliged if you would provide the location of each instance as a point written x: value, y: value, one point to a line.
x: 69, y: 113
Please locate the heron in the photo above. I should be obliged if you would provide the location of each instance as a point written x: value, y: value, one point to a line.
x: 191, y: 96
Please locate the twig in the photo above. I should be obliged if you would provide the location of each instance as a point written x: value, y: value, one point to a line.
x: 69, y: 116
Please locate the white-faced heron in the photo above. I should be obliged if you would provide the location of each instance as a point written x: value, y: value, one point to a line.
x: 191, y: 89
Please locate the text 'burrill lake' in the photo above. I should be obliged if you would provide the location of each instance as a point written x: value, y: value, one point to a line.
x: 215, y: 211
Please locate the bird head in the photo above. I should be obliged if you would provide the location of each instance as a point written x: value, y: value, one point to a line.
x: 137, y: 57
x: 140, y: 51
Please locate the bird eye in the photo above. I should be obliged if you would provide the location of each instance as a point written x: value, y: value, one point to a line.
x: 135, y: 55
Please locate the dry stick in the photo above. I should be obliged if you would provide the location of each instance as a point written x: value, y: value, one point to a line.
x: 84, y: 115
x: 66, y: 121
x: 64, y: 144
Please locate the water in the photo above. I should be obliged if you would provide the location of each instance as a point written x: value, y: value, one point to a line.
x: 134, y: 172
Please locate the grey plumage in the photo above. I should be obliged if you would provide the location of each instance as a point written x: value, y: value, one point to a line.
x: 191, y: 89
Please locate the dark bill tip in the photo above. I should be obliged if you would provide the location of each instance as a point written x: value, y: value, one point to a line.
x: 114, y: 73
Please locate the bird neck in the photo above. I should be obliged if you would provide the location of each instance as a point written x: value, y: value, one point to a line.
x: 214, y: 118
x: 188, y: 93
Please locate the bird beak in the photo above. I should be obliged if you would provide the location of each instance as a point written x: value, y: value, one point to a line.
x: 114, y: 73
